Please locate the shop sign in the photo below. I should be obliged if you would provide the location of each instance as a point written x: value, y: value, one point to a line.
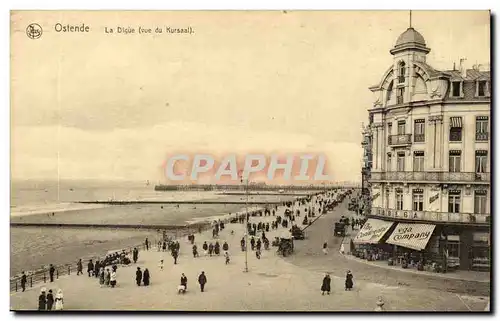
x: 372, y: 231
x: 410, y: 215
x: 433, y: 198
x: 413, y: 236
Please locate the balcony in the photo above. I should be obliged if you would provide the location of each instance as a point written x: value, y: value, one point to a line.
x: 419, y: 138
x: 401, y: 79
x: 438, y: 217
x: 431, y: 176
x: 482, y: 136
x: 399, y: 100
x: 403, y: 139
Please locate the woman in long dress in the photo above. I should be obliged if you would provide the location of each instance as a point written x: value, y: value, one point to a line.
x: 348, y: 281
x: 59, y: 300
x: 325, y: 286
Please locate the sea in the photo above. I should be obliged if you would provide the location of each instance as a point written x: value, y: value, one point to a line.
x: 33, y: 248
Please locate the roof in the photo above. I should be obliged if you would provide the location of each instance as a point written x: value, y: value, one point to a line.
x: 410, y: 39
x: 470, y: 74
x: 410, y: 36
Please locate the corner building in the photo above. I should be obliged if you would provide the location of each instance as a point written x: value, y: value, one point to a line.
x: 431, y: 153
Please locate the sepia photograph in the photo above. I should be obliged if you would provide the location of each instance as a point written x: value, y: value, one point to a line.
x: 250, y: 161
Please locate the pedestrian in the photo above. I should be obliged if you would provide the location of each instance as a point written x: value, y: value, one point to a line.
x: 112, y: 278
x: 217, y: 248
x: 23, y: 281
x: 59, y: 300
x: 50, y: 300
x: 252, y: 243
x: 242, y: 243
x: 325, y: 286
x: 146, y: 277
x: 184, y: 281
x: 210, y: 249
x: 101, y: 277
x: 348, y: 281
x: 79, y: 267
x: 161, y: 265
x: 138, y: 276
x: 202, y: 280
x: 259, y: 244
x: 205, y: 247
x: 195, y: 251
x: 164, y: 247
x: 226, y: 255
x: 146, y: 243
x: 97, y: 266
x: 52, y: 269
x: 257, y: 253
x: 135, y: 254
x: 42, y: 300
x: 225, y: 246
x: 90, y: 268
x: 175, y: 255
x: 107, y: 277
x: 325, y: 248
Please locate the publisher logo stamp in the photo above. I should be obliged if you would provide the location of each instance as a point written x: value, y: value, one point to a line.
x: 34, y: 31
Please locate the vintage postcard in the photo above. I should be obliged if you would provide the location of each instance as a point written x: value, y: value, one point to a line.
x: 250, y: 161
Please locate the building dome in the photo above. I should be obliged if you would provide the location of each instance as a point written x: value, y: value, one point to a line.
x: 410, y: 36
x: 410, y: 39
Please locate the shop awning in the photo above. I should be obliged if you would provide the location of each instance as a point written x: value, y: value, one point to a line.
x: 412, y: 236
x: 372, y: 231
x: 456, y: 122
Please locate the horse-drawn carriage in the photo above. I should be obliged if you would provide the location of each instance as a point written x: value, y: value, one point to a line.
x: 297, y: 233
x: 284, y: 244
x: 339, y: 229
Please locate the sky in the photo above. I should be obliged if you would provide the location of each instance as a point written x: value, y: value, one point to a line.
x: 113, y: 107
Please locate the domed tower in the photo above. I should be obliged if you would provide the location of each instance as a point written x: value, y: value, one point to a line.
x: 410, y: 48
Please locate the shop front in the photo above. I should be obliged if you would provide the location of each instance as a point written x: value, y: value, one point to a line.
x: 368, y: 243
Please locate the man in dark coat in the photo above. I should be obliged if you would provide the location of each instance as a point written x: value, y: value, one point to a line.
x: 146, y: 277
x: 146, y: 243
x: 51, y: 273
x: 97, y: 267
x: 23, y: 281
x: 195, y: 251
x: 138, y: 276
x: 90, y: 268
x: 252, y: 243
x: 225, y: 246
x: 175, y: 255
x: 184, y: 281
x: 79, y: 267
x: 217, y: 248
x: 202, y: 280
x: 135, y: 254
x: 325, y: 286
x: 50, y: 300
x: 210, y: 249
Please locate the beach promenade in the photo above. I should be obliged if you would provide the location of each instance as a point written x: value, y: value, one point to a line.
x: 272, y: 284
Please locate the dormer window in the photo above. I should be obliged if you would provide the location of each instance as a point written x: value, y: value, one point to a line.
x: 401, y: 72
x: 481, y: 88
x: 456, y: 89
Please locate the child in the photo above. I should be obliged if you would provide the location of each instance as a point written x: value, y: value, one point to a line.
x: 161, y: 265
x: 226, y: 255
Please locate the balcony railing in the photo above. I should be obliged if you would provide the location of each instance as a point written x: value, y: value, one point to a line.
x: 404, y: 139
x: 445, y: 217
x: 419, y: 138
x: 431, y: 176
x: 482, y: 136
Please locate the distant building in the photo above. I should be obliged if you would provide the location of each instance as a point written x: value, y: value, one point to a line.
x: 430, y: 141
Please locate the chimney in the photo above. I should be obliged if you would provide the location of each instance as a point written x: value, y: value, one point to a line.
x: 463, y: 70
x: 454, y: 67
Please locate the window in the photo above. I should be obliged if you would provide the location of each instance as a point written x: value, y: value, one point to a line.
x: 455, y: 129
x: 453, y: 246
x: 482, y: 128
x: 419, y: 130
x: 400, y: 94
x: 401, y: 162
x: 386, y: 198
x: 455, y: 160
x: 418, y: 161
x: 455, y: 88
x: 389, y: 163
x: 389, y: 128
x: 389, y: 91
x: 399, y: 199
x: 481, y: 88
x: 418, y: 200
x: 481, y: 160
x: 480, y: 202
x: 401, y: 127
x: 402, y: 72
x: 454, y: 201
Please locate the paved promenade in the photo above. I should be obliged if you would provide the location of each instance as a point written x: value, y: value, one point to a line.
x: 272, y: 283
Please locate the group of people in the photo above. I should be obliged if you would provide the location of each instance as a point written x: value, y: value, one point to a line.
x: 326, y: 284
x: 48, y: 302
x: 202, y: 281
x: 142, y: 276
